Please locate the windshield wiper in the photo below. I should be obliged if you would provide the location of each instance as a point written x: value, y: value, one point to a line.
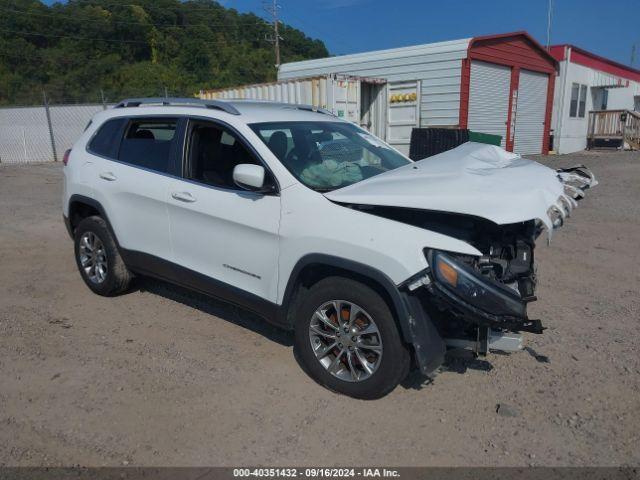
x: 325, y: 189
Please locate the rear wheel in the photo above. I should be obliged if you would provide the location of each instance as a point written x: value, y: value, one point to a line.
x: 98, y: 259
x: 347, y: 339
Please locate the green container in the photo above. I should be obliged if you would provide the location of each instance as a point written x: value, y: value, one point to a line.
x: 485, y: 138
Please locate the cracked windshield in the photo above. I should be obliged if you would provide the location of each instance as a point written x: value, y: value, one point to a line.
x: 328, y: 155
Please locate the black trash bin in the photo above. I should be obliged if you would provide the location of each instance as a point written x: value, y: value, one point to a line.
x: 426, y: 142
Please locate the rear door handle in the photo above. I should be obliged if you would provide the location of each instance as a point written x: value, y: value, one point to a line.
x: 183, y: 197
x: 108, y: 176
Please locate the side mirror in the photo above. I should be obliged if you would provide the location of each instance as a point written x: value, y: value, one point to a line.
x: 249, y: 177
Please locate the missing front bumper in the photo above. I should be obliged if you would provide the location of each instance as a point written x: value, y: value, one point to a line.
x: 446, y: 301
x: 488, y: 339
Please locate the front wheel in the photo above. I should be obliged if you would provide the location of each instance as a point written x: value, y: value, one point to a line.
x: 347, y: 339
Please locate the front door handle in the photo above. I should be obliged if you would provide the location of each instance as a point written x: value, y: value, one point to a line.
x: 183, y: 197
x: 108, y: 176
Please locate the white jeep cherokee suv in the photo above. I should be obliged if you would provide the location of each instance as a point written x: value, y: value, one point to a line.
x: 377, y: 263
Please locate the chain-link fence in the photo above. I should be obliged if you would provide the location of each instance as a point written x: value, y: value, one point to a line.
x: 42, y: 133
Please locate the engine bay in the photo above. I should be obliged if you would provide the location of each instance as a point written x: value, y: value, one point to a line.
x: 508, y: 250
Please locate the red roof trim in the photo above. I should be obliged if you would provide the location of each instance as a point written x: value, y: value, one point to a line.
x: 591, y: 60
x: 557, y: 52
x: 521, y: 33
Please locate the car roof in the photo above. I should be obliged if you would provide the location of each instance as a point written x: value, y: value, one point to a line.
x: 245, y: 111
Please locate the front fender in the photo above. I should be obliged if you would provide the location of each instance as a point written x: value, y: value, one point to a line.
x: 416, y: 326
x: 310, y: 223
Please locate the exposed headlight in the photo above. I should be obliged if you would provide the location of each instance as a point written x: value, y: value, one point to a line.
x: 473, y: 288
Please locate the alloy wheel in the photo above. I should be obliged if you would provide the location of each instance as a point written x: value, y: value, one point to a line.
x: 93, y: 257
x: 345, y: 340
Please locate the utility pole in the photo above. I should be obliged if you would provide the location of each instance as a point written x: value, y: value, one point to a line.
x: 272, y: 9
x: 633, y: 55
x: 549, y: 18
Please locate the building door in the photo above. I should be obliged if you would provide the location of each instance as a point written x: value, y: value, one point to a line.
x: 530, y: 112
x: 372, y: 108
x: 403, y: 113
x: 489, y: 99
x: 343, y: 97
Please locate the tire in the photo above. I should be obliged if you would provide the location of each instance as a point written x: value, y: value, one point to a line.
x: 114, y: 278
x: 347, y: 374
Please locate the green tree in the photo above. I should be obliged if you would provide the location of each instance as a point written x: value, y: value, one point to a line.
x: 73, y: 50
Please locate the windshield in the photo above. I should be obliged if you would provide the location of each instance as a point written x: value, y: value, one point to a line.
x: 328, y: 155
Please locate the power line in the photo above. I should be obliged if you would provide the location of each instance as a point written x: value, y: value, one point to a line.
x: 219, y: 26
x: 211, y: 8
x: 51, y: 35
x: 162, y: 25
x: 140, y: 42
x: 162, y: 9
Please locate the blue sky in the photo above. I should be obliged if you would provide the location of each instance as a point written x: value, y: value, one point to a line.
x: 608, y: 27
x: 605, y: 27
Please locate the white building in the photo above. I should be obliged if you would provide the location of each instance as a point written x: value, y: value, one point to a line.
x: 588, y: 82
x: 498, y: 84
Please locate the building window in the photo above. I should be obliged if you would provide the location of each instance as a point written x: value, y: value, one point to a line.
x: 578, y: 100
x: 582, y: 105
x: 605, y: 99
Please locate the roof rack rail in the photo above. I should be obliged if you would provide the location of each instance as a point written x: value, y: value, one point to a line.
x: 311, y: 108
x: 216, y: 104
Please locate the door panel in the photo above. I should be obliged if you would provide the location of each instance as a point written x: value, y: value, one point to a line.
x: 231, y: 236
x: 530, y: 113
x: 217, y: 228
x: 131, y: 159
x: 489, y: 99
x: 135, y: 201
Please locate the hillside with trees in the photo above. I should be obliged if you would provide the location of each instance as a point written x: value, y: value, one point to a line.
x: 125, y: 48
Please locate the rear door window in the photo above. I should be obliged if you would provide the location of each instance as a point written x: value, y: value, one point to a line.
x: 148, y: 143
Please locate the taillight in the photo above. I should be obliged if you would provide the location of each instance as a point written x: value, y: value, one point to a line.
x: 65, y: 158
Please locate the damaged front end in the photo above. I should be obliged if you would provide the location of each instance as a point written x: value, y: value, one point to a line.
x: 472, y: 307
x: 495, y: 201
x: 471, y: 290
x: 575, y: 180
x: 480, y: 302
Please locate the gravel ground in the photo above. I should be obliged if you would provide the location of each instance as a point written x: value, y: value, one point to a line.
x: 162, y: 376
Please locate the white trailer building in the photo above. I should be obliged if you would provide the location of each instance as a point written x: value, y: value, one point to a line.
x: 359, y: 100
x: 592, y: 93
x: 498, y: 84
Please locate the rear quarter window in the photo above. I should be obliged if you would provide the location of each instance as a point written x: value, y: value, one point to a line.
x: 107, y: 139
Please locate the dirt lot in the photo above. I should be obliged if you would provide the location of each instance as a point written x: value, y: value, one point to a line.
x: 161, y: 376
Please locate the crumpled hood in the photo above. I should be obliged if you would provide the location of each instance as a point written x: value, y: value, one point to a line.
x: 474, y: 179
